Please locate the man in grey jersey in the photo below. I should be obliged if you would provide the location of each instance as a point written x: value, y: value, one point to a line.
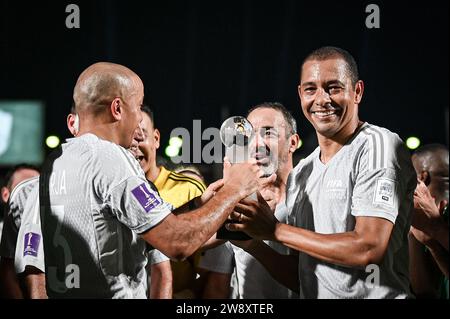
x: 19, y: 182
x: 95, y: 200
x: 275, y: 142
x: 349, y: 201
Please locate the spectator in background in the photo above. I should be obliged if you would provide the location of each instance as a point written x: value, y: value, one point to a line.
x: 176, y: 189
x: 19, y: 181
x: 429, y: 234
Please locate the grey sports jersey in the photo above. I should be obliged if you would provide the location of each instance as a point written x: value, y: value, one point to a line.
x: 99, y: 201
x: 13, y: 219
x: 252, y: 279
x: 371, y: 175
x: 29, y: 248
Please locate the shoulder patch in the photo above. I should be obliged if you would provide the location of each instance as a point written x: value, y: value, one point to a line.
x: 385, y: 191
x: 145, y: 197
x: 31, y: 244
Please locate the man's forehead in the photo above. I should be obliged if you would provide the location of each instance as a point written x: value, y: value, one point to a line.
x: 324, y: 70
x: 266, y: 117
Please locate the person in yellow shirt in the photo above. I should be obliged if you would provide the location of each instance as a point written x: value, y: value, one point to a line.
x: 177, y: 189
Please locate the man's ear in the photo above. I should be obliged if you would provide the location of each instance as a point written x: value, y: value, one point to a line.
x: 294, y: 141
x: 359, y: 91
x: 5, y: 194
x: 116, y: 109
x: 157, y: 137
x: 424, y: 176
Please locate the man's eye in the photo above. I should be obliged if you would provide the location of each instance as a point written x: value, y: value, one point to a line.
x: 335, y: 89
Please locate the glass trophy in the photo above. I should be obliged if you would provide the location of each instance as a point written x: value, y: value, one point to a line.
x: 237, y: 135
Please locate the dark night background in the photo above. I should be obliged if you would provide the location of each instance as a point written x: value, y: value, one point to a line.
x: 210, y: 59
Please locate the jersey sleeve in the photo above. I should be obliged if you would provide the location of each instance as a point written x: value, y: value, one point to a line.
x: 218, y: 259
x: 121, y: 185
x: 137, y: 206
x: 30, y: 248
x: 156, y: 257
x: 384, y: 178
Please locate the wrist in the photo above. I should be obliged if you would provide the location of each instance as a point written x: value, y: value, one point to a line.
x: 277, y: 233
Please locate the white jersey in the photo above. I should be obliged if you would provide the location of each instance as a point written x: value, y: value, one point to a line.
x: 30, y: 248
x: 372, y: 175
x: 97, y: 200
x: 252, y: 279
x: 13, y: 219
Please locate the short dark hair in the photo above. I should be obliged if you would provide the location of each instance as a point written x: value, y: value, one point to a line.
x: 328, y: 52
x: 9, y: 174
x: 147, y: 110
x: 288, y: 118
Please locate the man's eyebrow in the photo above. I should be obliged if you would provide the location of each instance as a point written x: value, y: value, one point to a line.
x: 335, y: 82
x: 308, y: 83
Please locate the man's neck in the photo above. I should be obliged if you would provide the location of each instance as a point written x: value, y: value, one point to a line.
x: 101, y: 129
x: 153, y: 173
x: 330, y: 146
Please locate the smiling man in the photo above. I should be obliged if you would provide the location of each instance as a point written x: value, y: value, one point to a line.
x: 349, y: 202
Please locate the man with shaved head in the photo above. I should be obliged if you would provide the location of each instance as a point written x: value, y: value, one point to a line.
x: 97, y: 205
x: 428, y: 238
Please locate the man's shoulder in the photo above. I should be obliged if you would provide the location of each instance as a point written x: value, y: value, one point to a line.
x: 22, y: 189
x: 376, y: 136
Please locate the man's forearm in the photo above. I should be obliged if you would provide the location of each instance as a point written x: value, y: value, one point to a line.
x: 357, y: 248
x: 180, y: 236
x: 35, y: 284
x: 422, y: 270
x: 9, y: 283
x: 440, y: 233
x: 283, y: 268
x: 161, y: 281
x: 440, y: 256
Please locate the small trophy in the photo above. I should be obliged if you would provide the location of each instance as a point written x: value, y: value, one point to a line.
x: 236, y: 134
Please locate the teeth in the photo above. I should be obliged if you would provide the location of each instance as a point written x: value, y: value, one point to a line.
x: 324, y: 113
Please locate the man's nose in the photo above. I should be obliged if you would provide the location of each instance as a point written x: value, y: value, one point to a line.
x: 139, y: 134
x: 322, y: 98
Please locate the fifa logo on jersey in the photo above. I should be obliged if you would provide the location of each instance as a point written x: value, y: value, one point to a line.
x: 31, y: 242
x: 145, y: 197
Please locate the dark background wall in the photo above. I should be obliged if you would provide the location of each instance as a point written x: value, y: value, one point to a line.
x: 209, y: 59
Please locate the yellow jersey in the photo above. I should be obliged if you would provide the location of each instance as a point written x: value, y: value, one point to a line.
x: 178, y: 189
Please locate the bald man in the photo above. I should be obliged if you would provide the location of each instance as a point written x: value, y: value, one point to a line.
x: 98, y: 205
x: 428, y: 238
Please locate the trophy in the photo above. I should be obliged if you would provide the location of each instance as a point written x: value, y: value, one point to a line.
x: 236, y: 134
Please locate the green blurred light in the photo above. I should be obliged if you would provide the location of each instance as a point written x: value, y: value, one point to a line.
x: 172, y: 151
x: 176, y: 141
x: 412, y: 142
x: 300, y: 143
x: 52, y: 141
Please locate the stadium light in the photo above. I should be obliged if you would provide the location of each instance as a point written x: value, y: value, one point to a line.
x: 412, y: 142
x: 52, y: 141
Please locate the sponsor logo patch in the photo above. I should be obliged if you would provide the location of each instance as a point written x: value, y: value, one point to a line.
x: 385, y: 192
x: 31, y: 244
x: 145, y: 197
